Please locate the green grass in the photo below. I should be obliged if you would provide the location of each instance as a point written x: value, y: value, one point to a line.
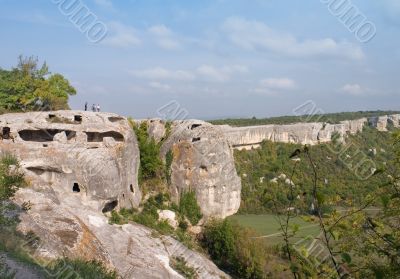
x: 268, y: 225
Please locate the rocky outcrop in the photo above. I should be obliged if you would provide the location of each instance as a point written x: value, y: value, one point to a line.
x: 302, y: 133
x: 69, y: 228
x: 92, y: 155
x: 394, y: 120
x: 78, y: 166
x: 203, y: 162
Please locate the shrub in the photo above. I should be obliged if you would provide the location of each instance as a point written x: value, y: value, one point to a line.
x: 236, y: 249
x: 150, y: 162
x: 82, y: 269
x: 169, y: 157
x: 10, y: 181
x: 188, y: 207
x: 180, y: 265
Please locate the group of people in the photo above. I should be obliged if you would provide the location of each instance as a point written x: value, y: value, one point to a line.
x: 95, y: 108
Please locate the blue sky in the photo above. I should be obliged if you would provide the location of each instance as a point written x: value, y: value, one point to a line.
x: 221, y: 58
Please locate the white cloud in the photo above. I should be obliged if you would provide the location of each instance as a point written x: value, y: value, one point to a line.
x: 278, y: 83
x: 353, y: 89
x: 255, y: 35
x: 120, y: 35
x: 272, y: 86
x: 104, y: 3
x: 164, y: 37
x: 160, y: 86
x: 207, y: 72
x: 221, y: 74
x: 159, y: 73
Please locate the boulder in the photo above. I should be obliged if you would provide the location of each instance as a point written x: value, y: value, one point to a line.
x: 203, y: 162
x: 169, y: 216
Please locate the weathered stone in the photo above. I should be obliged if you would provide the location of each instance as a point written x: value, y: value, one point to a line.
x: 302, y: 133
x: 203, y: 162
x: 394, y: 120
x: 56, y: 159
x: 71, y: 182
x: 169, y: 216
x: 380, y: 123
x: 70, y: 227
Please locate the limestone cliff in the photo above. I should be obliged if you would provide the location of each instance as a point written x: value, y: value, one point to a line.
x: 80, y: 165
x: 203, y: 162
x: 302, y: 133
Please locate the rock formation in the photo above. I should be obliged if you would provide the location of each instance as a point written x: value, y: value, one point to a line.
x: 203, y: 162
x: 302, y: 133
x: 78, y: 166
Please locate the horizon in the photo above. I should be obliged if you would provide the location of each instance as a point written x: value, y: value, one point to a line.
x: 241, y: 60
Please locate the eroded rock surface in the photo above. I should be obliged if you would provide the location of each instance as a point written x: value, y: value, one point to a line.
x: 302, y: 133
x: 69, y: 228
x: 203, y: 162
x: 78, y: 166
x: 93, y: 155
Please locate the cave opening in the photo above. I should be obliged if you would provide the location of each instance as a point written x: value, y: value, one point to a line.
x: 43, y: 135
x: 6, y: 132
x: 76, y: 188
x: 204, y: 168
x: 196, y: 139
x: 78, y: 118
x: 131, y: 188
x: 110, y: 206
x: 194, y: 126
x: 98, y: 137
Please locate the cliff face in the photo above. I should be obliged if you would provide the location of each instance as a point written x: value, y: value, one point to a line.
x: 93, y: 155
x: 78, y: 166
x: 302, y: 133
x: 203, y: 162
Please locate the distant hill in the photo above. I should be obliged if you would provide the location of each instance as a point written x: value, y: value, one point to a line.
x: 332, y: 118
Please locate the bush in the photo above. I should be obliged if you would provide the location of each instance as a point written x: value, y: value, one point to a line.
x: 169, y: 157
x: 236, y: 249
x: 150, y: 162
x: 82, y: 269
x: 10, y: 181
x: 188, y: 207
x: 180, y: 265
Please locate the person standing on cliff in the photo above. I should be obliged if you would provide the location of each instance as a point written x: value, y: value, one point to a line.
x: 86, y: 104
x: 94, y: 108
x: 98, y: 108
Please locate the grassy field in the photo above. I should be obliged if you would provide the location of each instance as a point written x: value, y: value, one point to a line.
x: 268, y: 226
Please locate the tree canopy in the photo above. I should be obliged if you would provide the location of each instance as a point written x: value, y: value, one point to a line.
x: 29, y: 87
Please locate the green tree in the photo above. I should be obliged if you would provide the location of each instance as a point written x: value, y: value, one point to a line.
x: 32, y: 87
x: 239, y: 251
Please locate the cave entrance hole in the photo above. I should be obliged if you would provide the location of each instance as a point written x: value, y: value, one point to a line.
x: 78, y: 118
x: 76, y: 188
x: 6, y: 132
x: 110, y: 206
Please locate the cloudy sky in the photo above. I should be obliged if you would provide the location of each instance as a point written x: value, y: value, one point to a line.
x: 216, y: 58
